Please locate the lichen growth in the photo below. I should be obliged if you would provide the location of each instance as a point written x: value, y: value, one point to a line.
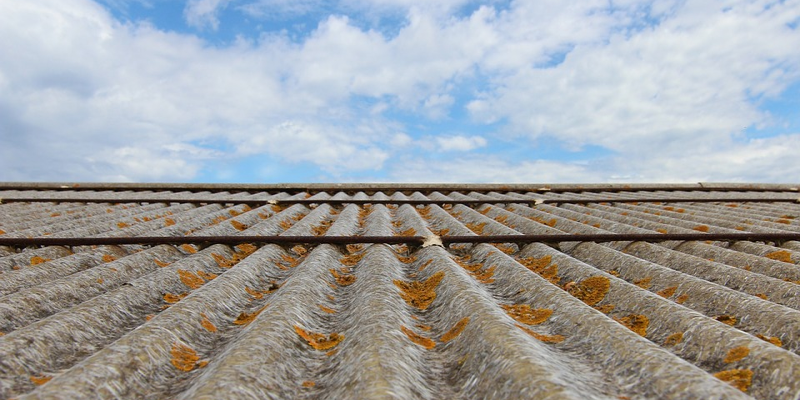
x: 668, y: 292
x: 205, y: 275
x: 673, y: 339
x: 300, y: 250
x: 169, y: 222
x: 542, y: 337
x: 351, y: 259
x: 591, y: 290
x: 455, y: 330
x: 174, y: 298
x: 36, y: 260
x: 322, y: 228
x: 319, y: 341
x: 408, y: 232
x: 701, y: 228
x: 420, y: 294
x: 326, y: 309
x: 190, y: 279
x: 308, y: 384
x: 771, y: 339
x: 736, y: 354
x: 551, y: 223
x: 246, y: 318
x: 238, y: 225
x: 122, y: 225
x: 108, y: 258
x: 780, y: 255
x: 185, y: 358
x: 636, y: 322
x: 418, y: 339
x: 738, y: 378
x: 40, y: 379
x: 189, y: 248
x: 542, y: 267
x: 643, y: 283
x: 525, y: 314
x: 207, y: 324
x: 682, y: 298
x: 475, y: 227
x: 343, y: 279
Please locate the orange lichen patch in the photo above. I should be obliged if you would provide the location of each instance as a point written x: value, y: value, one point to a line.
x: 40, y: 380
x: 169, y: 222
x: 408, y: 232
x: 668, y: 208
x: 682, y: 298
x: 614, y: 273
x: 300, y: 250
x: 397, y: 224
x: 326, y: 309
x: 99, y: 280
x: 343, y: 279
x: 477, y: 228
x: 2, y: 232
x: 221, y: 260
x: 523, y: 313
x: 234, y: 212
x: 263, y: 215
x: 293, y: 261
x: 542, y: 267
x: 772, y: 339
x: 285, y: 224
x: 542, y: 337
x: 189, y: 248
x: 161, y: 263
x: 55, y: 214
x: 784, y: 221
x: 423, y: 266
x: 551, y: 223
x: 501, y: 219
x: 256, y: 294
x: 643, y: 283
x: 761, y: 296
x: 701, y: 228
x: 309, y: 384
x: 736, y: 354
x: 780, y: 255
x: 591, y: 290
x: 455, y: 330
x: 36, y: 260
x: 206, y: 275
x: 420, y: 294
x: 673, y: 339
x: 246, y: 318
x: 605, y: 308
x: 668, y: 292
x: 174, y: 298
x: 108, y: 258
x: 635, y: 322
x: 319, y: 341
x: 680, y: 210
x: 418, y: 339
x: 425, y: 328
x: 245, y: 249
x: 506, y: 248
x: 351, y: 259
x: 148, y: 317
x: 738, y: 378
x: 206, y: 323
x: 122, y: 225
x: 238, y: 225
x: 661, y: 230
x: 322, y: 228
x: 354, y: 248
x: 185, y: 358
x: 190, y: 279
x: 726, y: 319
x: 486, y: 275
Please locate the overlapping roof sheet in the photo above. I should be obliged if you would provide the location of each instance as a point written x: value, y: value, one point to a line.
x: 166, y: 291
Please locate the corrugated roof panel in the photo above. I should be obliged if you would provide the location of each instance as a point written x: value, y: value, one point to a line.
x: 715, y: 318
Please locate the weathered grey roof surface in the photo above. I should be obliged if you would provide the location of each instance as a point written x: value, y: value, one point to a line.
x: 187, y: 291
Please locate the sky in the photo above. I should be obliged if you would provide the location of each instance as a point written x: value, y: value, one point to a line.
x: 267, y: 91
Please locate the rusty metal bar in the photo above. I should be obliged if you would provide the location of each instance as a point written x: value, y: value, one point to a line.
x: 394, y: 187
x: 258, y: 203
x: 554, y: 238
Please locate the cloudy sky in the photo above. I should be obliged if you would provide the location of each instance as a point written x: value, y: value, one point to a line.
x: 400, y: 90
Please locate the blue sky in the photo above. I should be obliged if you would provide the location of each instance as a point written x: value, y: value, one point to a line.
x: 400, y: 91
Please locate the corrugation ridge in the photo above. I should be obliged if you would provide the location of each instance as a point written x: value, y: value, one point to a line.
x: 751, y: 313
x: 746, y: 261
x: 705, y: 342
x: 411, y: 221
x: 29, y: 305
x: 279, y: 221
x: 492, y: 358
x: 65, y: 338
x: 741, y: 280
x: 314, y: 218
x: 375, y: 360
x: 160, y: 371
x: 736, y: 214
x: 15, y: 281
x: 610, y: 347
x: 268, y: 359
x: 28, y: 256
x: 786, y: 255
x: 704, y: 215
x: 91, y: 224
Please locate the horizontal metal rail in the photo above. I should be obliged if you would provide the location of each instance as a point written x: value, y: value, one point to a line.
x: 396, y: 187
x: 262, y: 202
x: 553, y: 238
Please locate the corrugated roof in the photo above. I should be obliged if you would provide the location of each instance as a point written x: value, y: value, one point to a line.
x: 327, y: 291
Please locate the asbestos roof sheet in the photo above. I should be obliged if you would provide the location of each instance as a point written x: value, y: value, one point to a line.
x: 188, y: 291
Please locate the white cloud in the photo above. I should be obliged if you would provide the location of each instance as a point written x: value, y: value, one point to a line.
x: 459, y: 142
x: 669, y: 99
x: 202, y: 13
